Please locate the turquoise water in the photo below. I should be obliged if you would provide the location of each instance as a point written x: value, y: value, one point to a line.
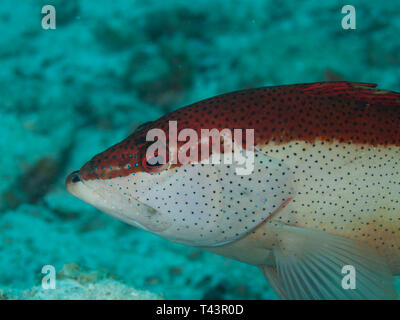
x: 68, y: 93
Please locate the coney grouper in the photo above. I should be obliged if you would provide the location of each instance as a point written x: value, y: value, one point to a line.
x: 312, y: 196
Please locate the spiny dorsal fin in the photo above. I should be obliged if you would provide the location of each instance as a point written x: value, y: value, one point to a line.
x: 357, y: 91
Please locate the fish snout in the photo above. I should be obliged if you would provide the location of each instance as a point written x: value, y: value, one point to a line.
x: 78, y: 187
x: 74, y: 177
x: 72, y: 182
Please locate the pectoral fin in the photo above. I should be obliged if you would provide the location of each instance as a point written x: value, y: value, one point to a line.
x: 271, y: 275
x: 309, y: 265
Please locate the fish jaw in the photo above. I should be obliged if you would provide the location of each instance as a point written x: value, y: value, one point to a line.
x: 196, y: 204
x: 90, y: 192
x: 75, y: 186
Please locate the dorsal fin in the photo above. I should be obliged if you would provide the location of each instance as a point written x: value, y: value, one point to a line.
x: 143, y: 126
x: 357, y: 91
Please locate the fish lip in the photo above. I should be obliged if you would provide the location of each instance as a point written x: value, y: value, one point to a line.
x: 119, y: 214
x: 71, y: 181
x: 71, y: 178
x: 75, y: 181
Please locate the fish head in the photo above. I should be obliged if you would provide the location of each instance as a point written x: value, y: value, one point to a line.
x: 119, y: 180
x: 198, y: 203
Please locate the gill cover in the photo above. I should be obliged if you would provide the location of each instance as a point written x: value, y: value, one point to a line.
x: 210, y: 204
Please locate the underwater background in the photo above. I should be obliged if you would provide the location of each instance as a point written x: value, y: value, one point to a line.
x: 69, y: 93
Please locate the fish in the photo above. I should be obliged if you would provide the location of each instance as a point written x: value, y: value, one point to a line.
x: 319, y: 211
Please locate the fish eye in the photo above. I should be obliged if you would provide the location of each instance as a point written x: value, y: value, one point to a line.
x: 154, y: 164
x: 155, y: 161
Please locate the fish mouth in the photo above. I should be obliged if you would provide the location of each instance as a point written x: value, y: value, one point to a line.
x: 82, y: 190
x: 72, y: 181
x: 76, y: 186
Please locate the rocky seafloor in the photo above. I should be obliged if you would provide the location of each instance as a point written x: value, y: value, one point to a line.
x: 67, y: 94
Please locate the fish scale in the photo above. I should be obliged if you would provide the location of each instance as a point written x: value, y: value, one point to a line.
x: 323, y: 193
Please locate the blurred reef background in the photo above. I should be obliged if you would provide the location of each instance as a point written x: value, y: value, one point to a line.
x: 69, y: 93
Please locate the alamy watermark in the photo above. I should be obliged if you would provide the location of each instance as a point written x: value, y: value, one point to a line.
x: 195, y: 149
x: 349, y: 280
x: 49, y: 280
x: 49, y: 20
x: 349, y: 20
